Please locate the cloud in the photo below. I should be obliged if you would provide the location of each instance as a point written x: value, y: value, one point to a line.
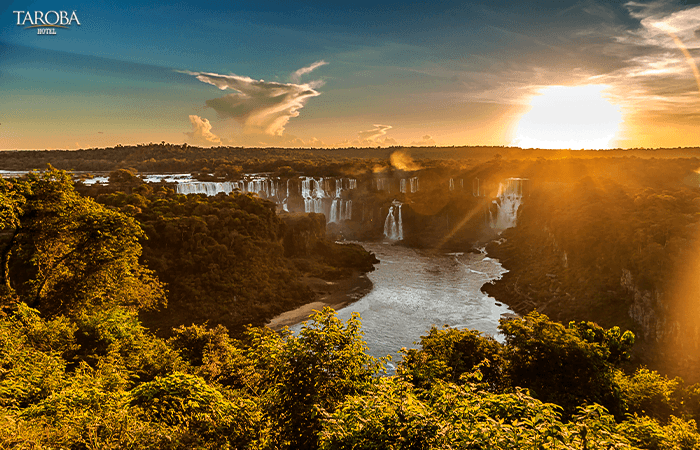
x: 201, y: 132
x: 296, y: 76
x: 371, y: 136
x: 261, y: 107
x: 659, y: 76
x: 266, y: 140
x: 425, y: 141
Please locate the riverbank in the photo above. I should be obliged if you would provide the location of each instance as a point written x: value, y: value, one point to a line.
x: 336, y: 294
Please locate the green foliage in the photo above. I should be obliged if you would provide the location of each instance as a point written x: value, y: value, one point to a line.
x: 321, y: 366
x: 390, y: 416
x: 566, y: 366
x: 201, y: 413
x: 31, y: 368
x: 80, y: 371
x: 68, y: 253
x: 89, y: 409
x: 646, y: 432
x: 214, y: 355
x: 446, y: 354
x: 615, y: 344
x: 220, y: 256
x: 649, y: 393
x: 116, y: 335
x: 123, y: 176
x: 394, y: 416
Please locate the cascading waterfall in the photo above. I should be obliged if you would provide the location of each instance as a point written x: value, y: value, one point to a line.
x: 313, y: 194
x: 393, y: 225
x: 414, y: 184
x: 335, y: 208
x: 510, y: 196
x: 340, y: 209
x: 319, y: 195
x: 206, y: 187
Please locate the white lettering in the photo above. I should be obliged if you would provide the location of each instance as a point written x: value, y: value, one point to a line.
x: 46, y: 17
x: 39, y: 17
x: 27, y: 17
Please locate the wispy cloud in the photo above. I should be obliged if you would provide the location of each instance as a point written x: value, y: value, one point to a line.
x: 659, y: 75
x: 370, y: 138
x: 373, y: 134
x: 296, y: 76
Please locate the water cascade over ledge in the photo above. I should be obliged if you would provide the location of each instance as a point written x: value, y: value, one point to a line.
x: 510, y: 197
x: 393, y: 225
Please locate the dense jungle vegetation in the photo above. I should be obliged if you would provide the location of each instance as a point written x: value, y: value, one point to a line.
x: 230, y: 259
x: 79, y: 370
x: 616, y: 242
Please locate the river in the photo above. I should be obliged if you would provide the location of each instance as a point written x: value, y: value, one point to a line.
x: 415, y: 289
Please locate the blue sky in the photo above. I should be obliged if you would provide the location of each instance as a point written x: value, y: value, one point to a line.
x: 388, y: 73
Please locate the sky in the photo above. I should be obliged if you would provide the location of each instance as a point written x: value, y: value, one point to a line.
x: 567, y: 74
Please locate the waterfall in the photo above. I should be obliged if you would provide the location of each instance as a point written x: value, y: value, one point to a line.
x: 306, y: 188
x: 205, y: 187
x: 338, y: 187
x: 452, y: 184
x: 510, y: 196
x: 313, y: 193
x: 393, y: 225
x: 414, y: 184
x: 319, y: 195
x: 335, y: 210
x: 340, y: 210
x: 402, y: 186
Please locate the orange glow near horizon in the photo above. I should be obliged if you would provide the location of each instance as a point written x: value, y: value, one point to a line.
x: 575, y: 117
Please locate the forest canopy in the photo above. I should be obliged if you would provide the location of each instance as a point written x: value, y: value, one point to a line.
x: 79, y: 370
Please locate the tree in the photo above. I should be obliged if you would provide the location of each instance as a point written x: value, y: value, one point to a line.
x: 66, y: 252
x: 446, y: 354
x: 319, y: 368
x: 12, y: 201
x: 568, y: 366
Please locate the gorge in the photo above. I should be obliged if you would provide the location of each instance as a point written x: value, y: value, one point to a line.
x: 587, y: 223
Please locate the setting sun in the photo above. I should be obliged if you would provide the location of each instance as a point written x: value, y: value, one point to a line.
x: 576, y: 117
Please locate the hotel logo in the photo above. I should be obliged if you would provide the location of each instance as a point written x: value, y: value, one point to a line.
x: 46, y: 22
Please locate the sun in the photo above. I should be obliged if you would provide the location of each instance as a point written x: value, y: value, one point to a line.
x: 575, y: 117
